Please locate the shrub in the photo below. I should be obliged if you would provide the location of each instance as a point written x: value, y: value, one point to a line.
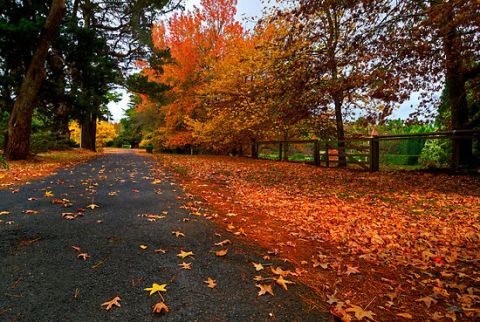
x: 436, y: 154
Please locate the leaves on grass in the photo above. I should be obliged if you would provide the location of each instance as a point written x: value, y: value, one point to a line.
x: 109, y: 304
x: 221, y: 253
x: 184, y: 254
x: 211, y: 282
x: 160, y: 307
x: 156, y: 288
x: 264, y: 289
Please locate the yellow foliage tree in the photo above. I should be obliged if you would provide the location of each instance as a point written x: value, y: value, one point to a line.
x: 106, y: 132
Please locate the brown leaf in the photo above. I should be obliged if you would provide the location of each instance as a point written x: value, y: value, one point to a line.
x: 223, y: 243
x: 427, y: 300
x: 109, y: 304
x: 160, y: 307
x: 283, y: 282
x: 185, y: 265
x: 360, y: 313
x: 405, y: 315
x: 258, y: 266
x: 221, y: 253
x: 83, y: 256
x: 264, y: 289
x: 211, y: 282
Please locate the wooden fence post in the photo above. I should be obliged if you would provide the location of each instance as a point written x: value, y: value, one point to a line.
x: 374, y: 154
x: 327, y: 157
x: 316, y: 153
x: 254, y: 150
x: 280, y: 151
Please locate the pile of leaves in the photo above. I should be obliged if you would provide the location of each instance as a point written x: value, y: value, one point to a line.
x: 383, y: 246
x: 43, y: 164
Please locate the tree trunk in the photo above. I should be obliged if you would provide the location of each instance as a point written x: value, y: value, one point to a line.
x: 88, y: 133
x: 457, y: 95
x: 342, y: 160
x: 20, y: 123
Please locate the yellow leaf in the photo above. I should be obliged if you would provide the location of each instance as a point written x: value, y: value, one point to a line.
x: 143, y: 247
x: 156, y: 288
x: 184, y: 254
x: 283, y: 282
x: 178, y: 234
x: 93, y: 206
x: 5, y: 212
x: 211, y: 282
x: 258, y: 266
x: 48, y: 194
x: 115, y: 301
x: 185, y: 265
x: 360, y: 313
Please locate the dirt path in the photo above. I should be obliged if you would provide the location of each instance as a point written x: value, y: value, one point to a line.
x: 42, y: 279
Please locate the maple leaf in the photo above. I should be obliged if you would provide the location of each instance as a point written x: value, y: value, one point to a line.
x: 283, y: 282
x: 264, y: 289
x: 184, y: 254
x: 156, y: 288
x: 352, y: 270
x: 93, y: 206
x: 427, y: 300
x: 211, y: 282
x: 185, y: 265
x: 258, y: 266
x: 279, y: 271
x: 109, y: 304
x: 83, y: 256
x: 221, y: 253
x: 178, y: 234
x: 360, y: 313
x: 5, y: 212
x: 223, y: 243
x: 160, y: 307
x: 48, y: 194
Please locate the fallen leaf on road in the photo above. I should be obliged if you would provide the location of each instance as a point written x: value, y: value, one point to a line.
x: 264, y: 289
x: 156, y: 288
x: 279, y: 271
x: 31, y: 212
x: 93, y: 206
x: 184, y: 254
x: 160, y: 307
x: 109, y: 304
x: 223, y: 243
x: 76, y: 248
x: 178, y: 234
x: 283, y: 282
x: 185, y: 265
x: 160, y: 251
x: 258, y: 266
x: 48, y: 194
x: 143, y: 247
x: 5, y: 212
x: 221, y: 253
x: 211, y: 282
x: 83, y: 256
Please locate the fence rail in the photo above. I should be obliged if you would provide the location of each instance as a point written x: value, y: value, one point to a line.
x: 366, y: 155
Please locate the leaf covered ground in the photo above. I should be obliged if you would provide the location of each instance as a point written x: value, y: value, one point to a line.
x: 41, y: 165
x: 383, y: 246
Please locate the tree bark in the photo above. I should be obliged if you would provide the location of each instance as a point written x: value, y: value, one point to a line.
x: 88, y: 133
x: 20, y: 123
x: 456, y: 92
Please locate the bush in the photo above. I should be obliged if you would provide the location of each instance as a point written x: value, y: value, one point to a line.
x: 3, y: 163
x: 436, y: 154
x: 46, y: 140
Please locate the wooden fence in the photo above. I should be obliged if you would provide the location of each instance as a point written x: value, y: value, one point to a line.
x: 362, y: 151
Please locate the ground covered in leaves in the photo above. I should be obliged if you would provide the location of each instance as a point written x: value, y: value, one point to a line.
x: 41, y: 165
x: 379, y: 246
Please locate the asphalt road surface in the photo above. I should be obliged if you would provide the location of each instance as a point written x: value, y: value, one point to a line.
x: 129, y: 245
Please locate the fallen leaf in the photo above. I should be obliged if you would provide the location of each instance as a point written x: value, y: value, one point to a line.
x: 156, y: 288
x: 160, y: 251
x: 221, y: 253
x: 143, y: 247
x: 109, y: 304
x: 352, y: 270
x: 184, y: 254
x: 264, y: 289
x: 76, y: 248
x: 5, y: 212
x: 283, y: 282
x: 48, y: 194
x: 279, y: 271
x: 360, y: 313
x: 258, y: 266
x: 258, y: 278
x: 427, y: 300
x: 160, y: 307
x: 211, y: 282
x: 185, y: 265
x: 223, y: 243
x: 93, y: 206
x: 31, y: 212
x: 178, y: 234
x: 405, y: 315
x: 83, y: 256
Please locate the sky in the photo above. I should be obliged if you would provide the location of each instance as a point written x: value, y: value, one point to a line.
x: 249, y: 11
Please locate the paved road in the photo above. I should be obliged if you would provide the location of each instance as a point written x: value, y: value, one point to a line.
x: 42, y: 279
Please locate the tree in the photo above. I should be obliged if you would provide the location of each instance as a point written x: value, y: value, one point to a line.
x: 19, y: 126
